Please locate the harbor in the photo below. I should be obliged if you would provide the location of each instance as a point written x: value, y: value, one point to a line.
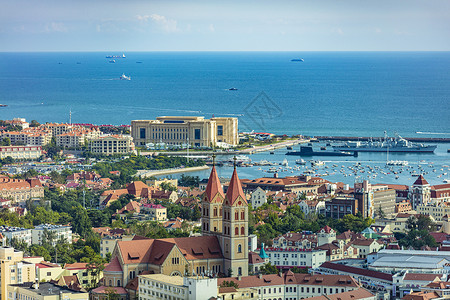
x: 395, y: 168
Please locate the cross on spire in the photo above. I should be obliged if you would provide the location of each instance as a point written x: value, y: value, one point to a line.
x: 214, y: 159
x: 234, y: 163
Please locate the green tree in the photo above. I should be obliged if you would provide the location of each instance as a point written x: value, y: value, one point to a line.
x: 34, y: 123
x: 6, y: 142
x: 268, y: 269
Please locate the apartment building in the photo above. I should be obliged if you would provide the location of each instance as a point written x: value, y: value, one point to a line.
x: 59, y: 231
x: 111, y: 144
x: 286, y: 258
x: 14, y: 270
x: 76, y: 137
x: 20, y: 190
x: 21, y: 234
x: 159, y: 286
x: 196, y: 131
x: 30, y: 137
x: 21, y: 152
x: 44, y: 291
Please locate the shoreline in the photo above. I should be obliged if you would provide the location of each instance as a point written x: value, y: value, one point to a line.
x: 150, y: 173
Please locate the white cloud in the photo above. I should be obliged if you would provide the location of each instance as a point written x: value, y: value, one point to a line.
x: 55, y: 27
x: 337, y: 30
x: 167, y: 25
x: 377, y: 30
x: 212, y: 28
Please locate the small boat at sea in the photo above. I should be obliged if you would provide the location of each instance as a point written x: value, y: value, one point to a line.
x: 116, y: 56
x: 298, y: 59
x: 112, y: 61
x: 124, y: 77
x: 233, y: 89
x: 3, y: 105
x: 300, y: 161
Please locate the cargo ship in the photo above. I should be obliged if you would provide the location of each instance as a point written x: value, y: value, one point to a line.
x: 308, y: 151
x: 391, y: 144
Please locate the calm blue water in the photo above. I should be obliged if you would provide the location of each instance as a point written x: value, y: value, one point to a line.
x: 340, y: 93
x: 330, y: 93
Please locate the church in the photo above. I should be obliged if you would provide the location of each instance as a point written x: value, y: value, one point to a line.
x: 222, y: 248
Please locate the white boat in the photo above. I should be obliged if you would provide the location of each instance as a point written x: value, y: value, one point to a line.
x: 316, y: 163
x: 285, y: 163
x: 300, y: 161
x: 124, y: 77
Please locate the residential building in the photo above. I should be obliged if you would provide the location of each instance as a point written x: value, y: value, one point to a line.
x: 338, y: 207
x: 157, y: 182
x: 196, y: 131
x: 108, y: 243
x: 157, y: 212
x: 373, y: 197
x: 290, y: 285
x: 300, y: 240
x: 397, y: 223
x: 159, y: 286
x: 417, y: 264
x: 366, y: 246
x: 14, y: 270
x: 29, y: 137
x: 58, y: 232
x: 440, y: 193
x: 20, y: 190
x: 87, y: 275
x: 21, y: 234
x: 258, y: 198
x: 18, y: 122
x: 403, y: 207
x: 312, y: 206
x: 326, y: 235
x: 436, y: 210
x: 111, y: 144
x: 286, y: 258
x: 46, y: 271
x: 44, y: 291
x: 77, y: 137
x: 21, y: 152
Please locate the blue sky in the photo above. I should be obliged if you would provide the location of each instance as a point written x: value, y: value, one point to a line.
x: 281, y: 25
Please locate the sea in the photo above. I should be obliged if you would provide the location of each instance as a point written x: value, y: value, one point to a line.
x: 329, y: 93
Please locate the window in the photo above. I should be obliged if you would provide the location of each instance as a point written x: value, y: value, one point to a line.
x: 242, y: 230
x: 236, y: 231
x: 142, y: 133
x: 220, y: 130
x: 239, y: 248
x: 197, y: 135
x: 239, y: 271
x: 236, y: 215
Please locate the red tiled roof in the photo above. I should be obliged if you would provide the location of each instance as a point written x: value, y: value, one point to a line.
x: 420, y: 181
x: 113, y: 266
x: 421, y: 277
x: 214, y: 187
x: 360, y: 293
x: 235, y: 191
x: 105, y: 289
x: 354, y: 270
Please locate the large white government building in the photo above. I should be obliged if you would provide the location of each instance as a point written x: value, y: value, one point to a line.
x: 197, y: 131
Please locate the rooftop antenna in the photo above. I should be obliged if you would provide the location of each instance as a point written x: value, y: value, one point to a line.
x: 70, y: 117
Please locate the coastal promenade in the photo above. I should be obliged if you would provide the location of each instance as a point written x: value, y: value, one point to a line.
x: 150, y: 173
x: 253, y: 150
